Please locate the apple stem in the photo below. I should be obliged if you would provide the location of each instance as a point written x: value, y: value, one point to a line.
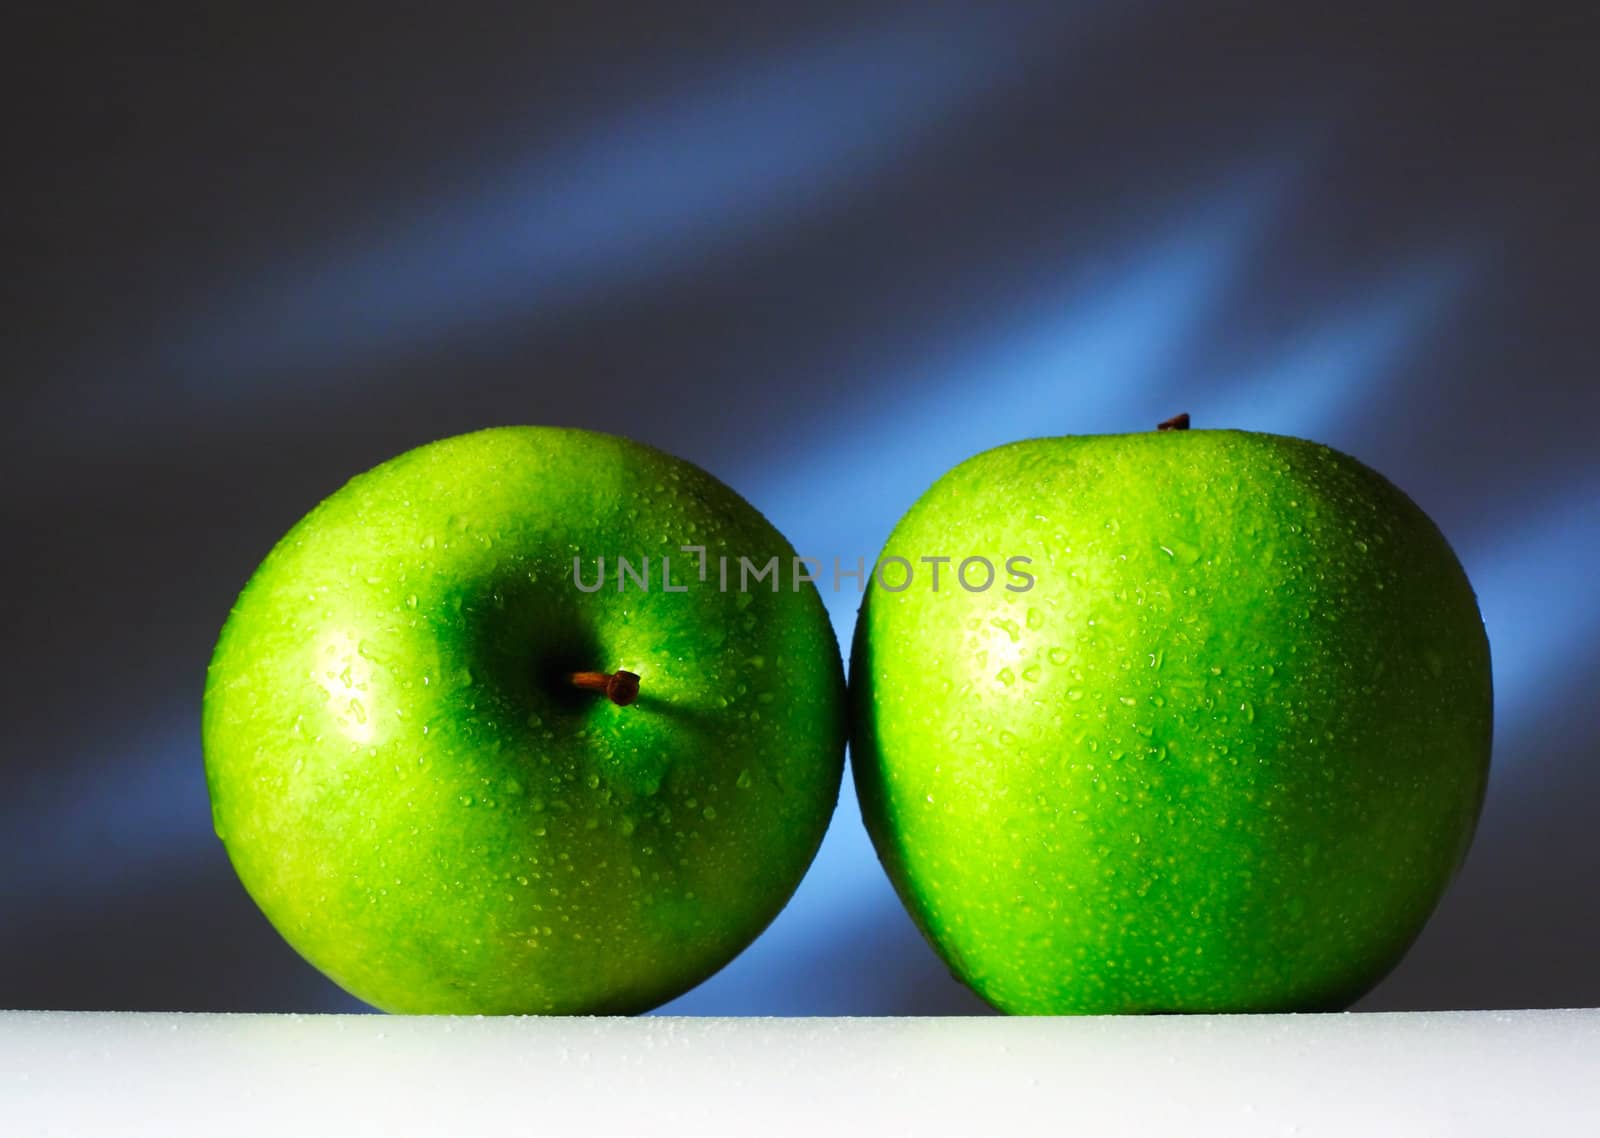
x: 620, y: 687
x: 1176, y: 423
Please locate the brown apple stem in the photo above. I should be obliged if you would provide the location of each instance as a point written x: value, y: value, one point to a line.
x: 620, y: 687
x: 1176, y: 423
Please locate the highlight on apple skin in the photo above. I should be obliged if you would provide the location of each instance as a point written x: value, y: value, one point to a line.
x: 456, y: 783
x: 1224, y: 756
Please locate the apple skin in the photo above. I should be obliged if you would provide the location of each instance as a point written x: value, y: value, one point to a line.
x: 426, y: 809
x: 1224, y: 756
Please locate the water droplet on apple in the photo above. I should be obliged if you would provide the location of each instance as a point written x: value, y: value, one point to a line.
x: 1009, y: 627
x: 1035, y: 618
x: 465, y: 800
x: 1183, y: 552
x: 1006, y: 676
x: 593, y: 782
x: 743, y: 781
x: 1249, y: 710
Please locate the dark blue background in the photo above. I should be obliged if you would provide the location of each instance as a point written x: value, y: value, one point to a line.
x: 826, y: 252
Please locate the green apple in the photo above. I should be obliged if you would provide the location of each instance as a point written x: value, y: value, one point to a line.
x: 1224, y: 752
x: 459, y: 778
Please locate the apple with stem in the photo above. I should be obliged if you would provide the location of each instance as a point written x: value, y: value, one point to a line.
x: 459, y: 777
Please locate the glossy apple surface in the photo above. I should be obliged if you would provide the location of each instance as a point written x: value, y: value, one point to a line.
x: 428, y: 810
x: 1224, y: 755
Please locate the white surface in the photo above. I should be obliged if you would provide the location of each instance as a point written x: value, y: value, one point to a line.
x: 1414, y: 1074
